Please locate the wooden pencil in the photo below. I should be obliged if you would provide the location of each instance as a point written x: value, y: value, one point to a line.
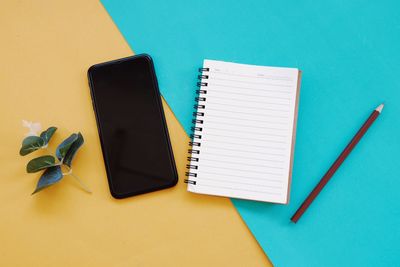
x: 328, y: 175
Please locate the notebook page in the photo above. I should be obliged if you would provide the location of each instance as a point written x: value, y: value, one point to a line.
x: 246, y: 131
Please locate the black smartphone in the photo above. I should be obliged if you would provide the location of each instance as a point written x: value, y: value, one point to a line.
x: 133, y: 132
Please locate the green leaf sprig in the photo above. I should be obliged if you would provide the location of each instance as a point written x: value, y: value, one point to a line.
x: 52, y: 166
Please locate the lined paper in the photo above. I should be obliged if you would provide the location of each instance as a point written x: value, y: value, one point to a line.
x: 247, y: 131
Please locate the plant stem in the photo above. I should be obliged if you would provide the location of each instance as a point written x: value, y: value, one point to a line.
x: 60, y: 163
x: 77, y: 178
x: 81, y: 183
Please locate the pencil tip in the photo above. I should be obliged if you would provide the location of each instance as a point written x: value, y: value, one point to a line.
x: 380, y: 107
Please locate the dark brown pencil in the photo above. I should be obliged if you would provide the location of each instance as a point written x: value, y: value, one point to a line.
x: 325, y: 179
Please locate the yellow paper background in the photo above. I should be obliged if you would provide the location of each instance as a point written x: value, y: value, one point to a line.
x: 46, y: 49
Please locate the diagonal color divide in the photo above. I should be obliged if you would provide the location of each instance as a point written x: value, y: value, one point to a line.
x: 349, y: 54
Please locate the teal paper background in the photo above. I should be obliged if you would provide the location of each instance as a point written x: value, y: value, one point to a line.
x: 349, y: 54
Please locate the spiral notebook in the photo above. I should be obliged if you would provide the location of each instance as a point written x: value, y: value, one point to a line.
x: 244, y: 131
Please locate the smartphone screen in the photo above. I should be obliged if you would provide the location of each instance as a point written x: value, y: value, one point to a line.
x: 132, y: 128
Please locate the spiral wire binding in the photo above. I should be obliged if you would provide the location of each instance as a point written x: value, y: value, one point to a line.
x: 195, y: 136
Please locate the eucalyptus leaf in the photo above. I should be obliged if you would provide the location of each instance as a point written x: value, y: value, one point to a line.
x: 63, y: 148
x: 46, y: 135
x: 73, y: 149
x: 40, y: 163
x: 30, y: 144
x: 51, y: 176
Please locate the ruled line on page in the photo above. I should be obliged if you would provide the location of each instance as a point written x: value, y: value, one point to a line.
x: 270, y: 77
x: 242, y: 119
x: 236, y: 182
x: 249, y: 145
x: 253, y: 114
x: 247, y: 151
x: 250, y: 88
x: 242, y: 141
x: 243, y: 177
x: 255, y: 108
x: 241, y: 163
x: 247, y: 126
x: 253, y: 89
x: 244, y: 138
x: 241, y: 157
x: 241, y: 170
x: 251, y: 101
x: 240, y: 189
x: 265, y: 96
x: 239, y: 131
x: 240, y: 81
